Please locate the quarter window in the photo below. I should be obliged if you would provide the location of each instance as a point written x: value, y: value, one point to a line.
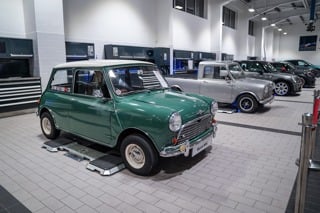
x: 61, y: 81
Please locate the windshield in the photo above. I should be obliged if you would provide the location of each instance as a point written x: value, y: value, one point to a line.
x: 268, y: 67
x: 127, y: 80
x: 236, y: 71
x: 290, y: 66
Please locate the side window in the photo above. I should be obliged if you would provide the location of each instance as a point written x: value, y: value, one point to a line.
x: 90, y: 82
x: 212, y: 72
x: 62, y: 81
x: 254, y: 67
x: 208, y: 72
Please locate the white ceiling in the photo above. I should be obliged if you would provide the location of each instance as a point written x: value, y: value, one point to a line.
x: 281, y: 12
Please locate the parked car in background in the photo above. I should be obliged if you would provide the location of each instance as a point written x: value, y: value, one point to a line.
x: 299, y: 63
x: 226, y: 82
x: 285, y: 83
x: 126, y: 105
x: 306, y: 75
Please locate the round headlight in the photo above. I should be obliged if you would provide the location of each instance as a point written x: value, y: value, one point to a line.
x: 175, y: 122
x: 214, y: 107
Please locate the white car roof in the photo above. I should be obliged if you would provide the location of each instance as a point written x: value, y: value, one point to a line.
x: 100, y: 63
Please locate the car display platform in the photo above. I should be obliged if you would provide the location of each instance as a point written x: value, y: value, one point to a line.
x: 106, y: 163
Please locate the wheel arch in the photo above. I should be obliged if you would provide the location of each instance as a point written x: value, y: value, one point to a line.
x: 132, y: 131
x: 44, y: 109
x: 246, y: 93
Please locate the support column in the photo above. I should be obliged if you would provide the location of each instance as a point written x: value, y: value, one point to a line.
x: 44, y: 24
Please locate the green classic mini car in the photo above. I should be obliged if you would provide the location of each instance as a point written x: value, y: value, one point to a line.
x: 126, y: 105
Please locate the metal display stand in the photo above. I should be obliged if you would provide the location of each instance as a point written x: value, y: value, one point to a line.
x: 310, y: 133
x: 104, y: 163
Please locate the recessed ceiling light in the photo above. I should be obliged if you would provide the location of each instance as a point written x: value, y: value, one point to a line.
x: 279, y: 29
x: 272, y: 25
x: 251, y: 10
x: 285, y: 33
x: 264, y: 18
x: 178, y: 7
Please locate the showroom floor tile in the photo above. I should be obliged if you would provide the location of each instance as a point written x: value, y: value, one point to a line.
x: 250, y: 168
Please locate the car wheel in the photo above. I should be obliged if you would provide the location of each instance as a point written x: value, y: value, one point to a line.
x: 138, y: 154
x: 303, y: 82
x: 247, y: 103
x: 48, y: 127
x: 282, y: 88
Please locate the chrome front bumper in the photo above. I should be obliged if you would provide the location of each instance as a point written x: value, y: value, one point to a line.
x: 186, y: 148
x: 267, y: 100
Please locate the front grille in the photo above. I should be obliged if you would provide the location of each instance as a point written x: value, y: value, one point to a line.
x: 194, y: 128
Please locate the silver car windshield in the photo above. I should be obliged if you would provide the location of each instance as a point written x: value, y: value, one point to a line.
x: 236, y: 71
x: 133, y: 79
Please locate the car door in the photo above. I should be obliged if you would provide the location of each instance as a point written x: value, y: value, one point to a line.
x: 92, y: 106
x: 58, y: 96
x: 215, y: 86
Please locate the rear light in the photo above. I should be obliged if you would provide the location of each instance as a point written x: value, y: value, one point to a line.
x: 38, y: 101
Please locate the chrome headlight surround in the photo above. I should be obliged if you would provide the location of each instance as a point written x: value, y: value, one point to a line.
x: 266, y: 89
x: 175, y: 122
x: 214, y: 107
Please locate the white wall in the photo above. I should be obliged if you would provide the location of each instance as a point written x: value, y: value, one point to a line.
x: 110, y: 21
x: 237, y: 41
x: 190, y: 32
x: 12, y: 19
x: 289, y: 44
x: 268, y: 44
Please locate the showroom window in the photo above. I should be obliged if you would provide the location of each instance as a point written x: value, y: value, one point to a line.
x: 229, y: 18
x: 194, y: 7
x: 251, y: 28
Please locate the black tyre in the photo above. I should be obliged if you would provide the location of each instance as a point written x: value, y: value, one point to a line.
x: 48, y: 127
x: 282, y: 88
x: 247, y: 103
x: 303, y: 82
x: 138, y: 154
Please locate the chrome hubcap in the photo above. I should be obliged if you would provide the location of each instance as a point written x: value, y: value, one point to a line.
x: 281, y: 88
x: 246, y: 104
x: 135, y: 156
x: 46, y: 126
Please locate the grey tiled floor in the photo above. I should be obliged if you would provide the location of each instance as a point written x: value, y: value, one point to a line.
x: 246, y: 170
